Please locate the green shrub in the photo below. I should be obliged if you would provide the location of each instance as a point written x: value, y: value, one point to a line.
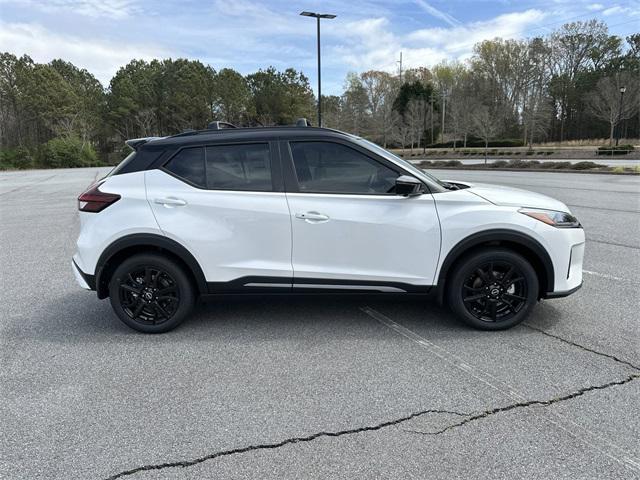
x: 498, y: 164
x: 627, y: 147
x: 19, y: 158
x: 67, y: 153
x: 584, y: 166
x: 613, y: 150
x: 446, y: 163
x: 523, y: 164
x: 559, y: 165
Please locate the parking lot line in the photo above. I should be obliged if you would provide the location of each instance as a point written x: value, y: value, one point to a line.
x: 592, y: 439
x: 604, y: 275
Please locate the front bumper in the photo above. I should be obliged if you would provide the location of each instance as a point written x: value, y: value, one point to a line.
x: 86, y: 281
x: 566, y: 293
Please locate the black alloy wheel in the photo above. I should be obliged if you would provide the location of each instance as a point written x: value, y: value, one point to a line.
x: 493, y: 289
x: 151, y: 293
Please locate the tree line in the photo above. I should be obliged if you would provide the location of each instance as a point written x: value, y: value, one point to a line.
x: 564, y: 86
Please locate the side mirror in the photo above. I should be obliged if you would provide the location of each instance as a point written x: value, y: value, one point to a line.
x: 408, y: 186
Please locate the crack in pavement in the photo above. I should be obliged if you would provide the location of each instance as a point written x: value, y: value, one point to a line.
x: 288, y: 441
x: 513, y: 406
x: 309, y: 438
x: 469, y: 418
x: 582, y: 347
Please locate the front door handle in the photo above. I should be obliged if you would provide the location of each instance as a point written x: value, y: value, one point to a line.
x: 312, y: 217
x: 170, y: 202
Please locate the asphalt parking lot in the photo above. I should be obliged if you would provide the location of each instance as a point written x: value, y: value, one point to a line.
x: 317, y: 388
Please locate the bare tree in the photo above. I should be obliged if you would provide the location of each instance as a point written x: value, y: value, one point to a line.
x: 485, y: 124
x: 414, y: 117
x: 401, y: 130
x: 605, y: 101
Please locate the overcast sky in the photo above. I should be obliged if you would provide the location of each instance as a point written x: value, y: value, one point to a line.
x: 102, y: 35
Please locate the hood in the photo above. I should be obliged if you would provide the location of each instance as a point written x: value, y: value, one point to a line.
x: 513, y: 197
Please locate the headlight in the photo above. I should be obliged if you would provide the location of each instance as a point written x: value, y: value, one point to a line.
x: 553, y: 218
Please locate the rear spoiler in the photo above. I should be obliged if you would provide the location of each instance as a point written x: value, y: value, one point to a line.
x: 136, y: 143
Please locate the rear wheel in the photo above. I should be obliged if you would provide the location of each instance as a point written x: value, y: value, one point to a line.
x: 151, y: 293
x: 493, y: 289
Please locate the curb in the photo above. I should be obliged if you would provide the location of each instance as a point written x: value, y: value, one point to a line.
x: 543, y: 170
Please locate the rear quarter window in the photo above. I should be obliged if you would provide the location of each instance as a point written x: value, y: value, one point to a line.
x: 188, y: 164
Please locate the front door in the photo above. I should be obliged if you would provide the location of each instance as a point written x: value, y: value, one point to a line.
x: 350, y: 230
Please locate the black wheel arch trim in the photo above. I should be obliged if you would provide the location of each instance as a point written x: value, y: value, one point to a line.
x: 495, y: 237
x: 89, y: 279
x: 147, y: 240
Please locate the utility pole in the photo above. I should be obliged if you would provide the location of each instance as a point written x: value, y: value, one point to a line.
x: 424, y: 125
x: 622, y: 90
x: 318, y: 16
x: 400, y: 63
x: 444, y: 101
x: 432, y: 99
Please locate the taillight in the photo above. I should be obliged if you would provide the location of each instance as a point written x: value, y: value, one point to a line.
x: 93, y: 200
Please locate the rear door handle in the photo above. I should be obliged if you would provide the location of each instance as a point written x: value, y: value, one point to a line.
x: 312, y: 217
x: 170, y: 202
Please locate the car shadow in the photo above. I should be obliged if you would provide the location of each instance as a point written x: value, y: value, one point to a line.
x: 77, y: 317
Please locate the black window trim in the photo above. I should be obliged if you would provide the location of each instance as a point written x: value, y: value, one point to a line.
x: 277, y: 184
x: 291, y: 178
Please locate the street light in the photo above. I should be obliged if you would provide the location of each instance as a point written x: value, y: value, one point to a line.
x: 318, y: 16
x: 622, y: 90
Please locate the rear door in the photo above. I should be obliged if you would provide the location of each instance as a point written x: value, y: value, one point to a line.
x: 225, y: 203
x: 350, y: 230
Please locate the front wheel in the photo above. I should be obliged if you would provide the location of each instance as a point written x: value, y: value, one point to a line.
x: 151, y: 293
x: 493, y: 289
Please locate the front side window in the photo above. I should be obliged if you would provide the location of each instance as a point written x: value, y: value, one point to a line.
x: 326, y: 167
x: 239, y: 167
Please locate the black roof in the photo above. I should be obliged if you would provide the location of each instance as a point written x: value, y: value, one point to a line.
x: 153, y: 151
x: 251, y: 133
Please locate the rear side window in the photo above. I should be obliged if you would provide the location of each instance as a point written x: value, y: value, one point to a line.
x: 188, y: 164
x: 239, y: 167
x: 225, y: 167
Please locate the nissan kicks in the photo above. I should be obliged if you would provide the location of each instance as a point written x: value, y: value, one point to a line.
x: 313, y: 210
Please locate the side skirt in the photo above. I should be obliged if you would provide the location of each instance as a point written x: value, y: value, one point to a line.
x: 305, y: 286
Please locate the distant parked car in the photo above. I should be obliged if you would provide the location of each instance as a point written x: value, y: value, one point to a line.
x: 303, y: 209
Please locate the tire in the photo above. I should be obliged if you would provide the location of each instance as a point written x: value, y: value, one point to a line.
x: 493, y: 289
x: 151, y: 293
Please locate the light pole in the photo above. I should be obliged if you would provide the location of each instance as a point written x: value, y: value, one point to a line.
x: 622, y: 90
x: 318, y: 16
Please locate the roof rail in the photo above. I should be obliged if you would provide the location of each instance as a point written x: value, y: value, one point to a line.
x: 303, y: 122
x: 219, y: 125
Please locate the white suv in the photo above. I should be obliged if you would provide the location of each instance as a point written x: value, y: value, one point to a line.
x: 313, y: 210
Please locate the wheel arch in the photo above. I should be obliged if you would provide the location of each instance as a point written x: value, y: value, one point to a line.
x: 129, y: 245
x: 519, y: 242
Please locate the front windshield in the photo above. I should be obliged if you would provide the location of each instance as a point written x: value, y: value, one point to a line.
x: 407, y: 165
